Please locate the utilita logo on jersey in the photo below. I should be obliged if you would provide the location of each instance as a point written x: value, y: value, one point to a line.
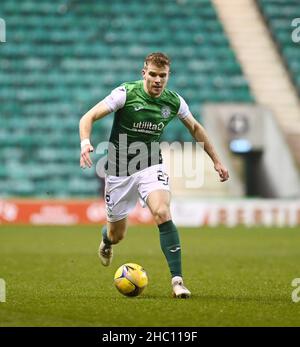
x: 147, y: 127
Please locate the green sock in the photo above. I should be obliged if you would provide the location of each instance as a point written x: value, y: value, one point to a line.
x: 170, y: 245
x: 106, y: 240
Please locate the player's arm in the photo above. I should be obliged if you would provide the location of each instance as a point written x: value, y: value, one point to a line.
x: 113, y: 102
x: 85, y: 128
x: 200, y: 135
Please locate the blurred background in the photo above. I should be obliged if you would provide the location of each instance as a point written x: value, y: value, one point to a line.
x: 235, y: 62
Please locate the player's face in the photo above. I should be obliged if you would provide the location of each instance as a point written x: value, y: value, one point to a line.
x: 155, y: 79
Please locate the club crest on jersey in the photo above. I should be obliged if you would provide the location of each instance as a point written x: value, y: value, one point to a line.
x: 165, y: 111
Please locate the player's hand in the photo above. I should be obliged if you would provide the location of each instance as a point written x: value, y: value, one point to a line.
x: 222, y: 171
x: 85, y: 158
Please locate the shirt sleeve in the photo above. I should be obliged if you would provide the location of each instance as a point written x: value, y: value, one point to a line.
x: 184, y: 110
x: 116, y: 99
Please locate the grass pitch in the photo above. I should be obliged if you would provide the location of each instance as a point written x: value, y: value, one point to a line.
x: 238, y: 277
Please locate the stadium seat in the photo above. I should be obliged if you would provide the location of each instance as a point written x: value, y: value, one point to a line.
x: 279, y: 15
x: 62, y: 58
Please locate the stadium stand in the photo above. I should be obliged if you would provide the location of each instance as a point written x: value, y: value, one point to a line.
x: 62, y: 57
x: 279, y: 15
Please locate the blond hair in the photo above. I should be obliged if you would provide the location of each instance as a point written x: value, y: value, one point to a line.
x: 159, y: 59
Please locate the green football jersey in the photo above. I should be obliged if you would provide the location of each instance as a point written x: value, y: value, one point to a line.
x: 137, y: 128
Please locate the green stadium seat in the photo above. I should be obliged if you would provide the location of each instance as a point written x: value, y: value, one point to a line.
x: 62, y: 58
x: 22, y: 188
x: 279, y: 15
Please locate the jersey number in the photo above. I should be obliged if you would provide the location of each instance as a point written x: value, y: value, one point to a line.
x: 161, y: 176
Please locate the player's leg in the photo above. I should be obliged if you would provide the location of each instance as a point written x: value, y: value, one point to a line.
x: 154, y: 189
x: 112, y: 233
x: 120, y: 197
x: 117, y: 230
x: 159, y: 205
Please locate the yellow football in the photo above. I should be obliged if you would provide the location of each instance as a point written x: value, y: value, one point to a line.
x: 131, y: 279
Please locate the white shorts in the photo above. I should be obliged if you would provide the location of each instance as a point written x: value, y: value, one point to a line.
x: 122, y: 192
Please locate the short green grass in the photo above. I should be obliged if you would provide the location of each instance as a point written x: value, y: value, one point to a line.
x: 238, y: 277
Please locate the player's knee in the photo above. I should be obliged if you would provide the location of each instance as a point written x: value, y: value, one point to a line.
x: 162, y: 214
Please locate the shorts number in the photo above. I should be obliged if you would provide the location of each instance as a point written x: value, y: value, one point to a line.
x: 162, y: 176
